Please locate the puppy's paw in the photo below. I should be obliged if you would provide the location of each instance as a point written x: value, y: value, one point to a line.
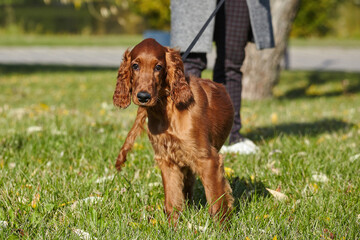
x: 120, y: 161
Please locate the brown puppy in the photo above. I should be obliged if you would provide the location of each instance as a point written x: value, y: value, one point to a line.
x: 189, y: 120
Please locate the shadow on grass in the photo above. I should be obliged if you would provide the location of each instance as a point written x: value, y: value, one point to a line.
x: 40, y: 68
x: 350, y: 84
x: 243, y: 191
x: 299, y: 129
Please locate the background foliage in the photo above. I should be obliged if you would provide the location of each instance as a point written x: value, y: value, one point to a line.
x: 327, y: 17
x: 338, y: 18
x: 79, y: 16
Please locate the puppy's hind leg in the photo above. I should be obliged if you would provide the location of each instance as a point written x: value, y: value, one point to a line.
x: 189, y: 181
x: 217, y: 188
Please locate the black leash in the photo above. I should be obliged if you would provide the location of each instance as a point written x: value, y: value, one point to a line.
x: 186, y: 53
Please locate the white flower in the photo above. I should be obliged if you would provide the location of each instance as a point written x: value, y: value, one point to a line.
x: 82, y: 234
x: 34, y: 129
x: 104, y: 179
x: 3, y: 224
x: 355, y: 157
x: 91, y: 200
x: 155, y: 184
x: 320, y: 178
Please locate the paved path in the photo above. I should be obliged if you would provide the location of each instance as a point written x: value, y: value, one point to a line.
x: 300, y: 58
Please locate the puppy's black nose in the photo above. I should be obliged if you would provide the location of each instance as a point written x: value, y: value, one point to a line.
x: 143, y: 97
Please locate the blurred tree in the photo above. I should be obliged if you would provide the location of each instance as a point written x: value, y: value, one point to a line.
x: 9, y: 11
x: 314, y: 17
x: 261, y: 68
x: 155, y: 14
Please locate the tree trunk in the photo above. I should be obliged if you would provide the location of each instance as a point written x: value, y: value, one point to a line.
x: 261, y: 68
x: 9, y: 15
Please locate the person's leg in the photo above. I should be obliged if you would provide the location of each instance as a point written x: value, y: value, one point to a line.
x: 238, y: 27
x: 219, y: 38
x: 195, y: 63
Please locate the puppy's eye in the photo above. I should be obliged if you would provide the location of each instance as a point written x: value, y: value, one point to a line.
x: 158, y: 68
x: 135, y: 66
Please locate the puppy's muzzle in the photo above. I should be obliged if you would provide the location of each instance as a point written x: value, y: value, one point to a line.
x: 143, y: 97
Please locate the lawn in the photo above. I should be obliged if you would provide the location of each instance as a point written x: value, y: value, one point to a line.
x: 60, y: 136
x: 68, y: 40
x: 29, y: 40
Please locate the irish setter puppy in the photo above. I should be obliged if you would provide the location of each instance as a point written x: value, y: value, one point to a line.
x: 189, y: 120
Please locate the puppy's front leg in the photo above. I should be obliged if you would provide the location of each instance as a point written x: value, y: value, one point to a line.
x: 130, y: 138
x: 173, y: 182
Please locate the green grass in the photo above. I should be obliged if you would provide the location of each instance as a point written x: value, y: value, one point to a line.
x: 325, y: 42
x: 311, y: 127
x: 68, y: 40
x: 21, y: 39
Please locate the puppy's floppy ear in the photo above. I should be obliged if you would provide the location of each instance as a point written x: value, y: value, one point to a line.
x: 180, y: 91
x: 122, y: 94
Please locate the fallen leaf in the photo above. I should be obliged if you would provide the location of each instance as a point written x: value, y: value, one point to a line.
x: 277, y: 195
x: 12, y: 165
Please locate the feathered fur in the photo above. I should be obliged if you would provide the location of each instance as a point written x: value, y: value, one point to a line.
x: 189, y: 120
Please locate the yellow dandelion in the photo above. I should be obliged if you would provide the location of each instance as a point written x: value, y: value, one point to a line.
x: 44, y: 107
x: 274, y: 118
x: 343, y: 137
x: 134, y: 224
x: 320, y: 140
x: 102, y: 112
x: 153, y: 221
x: 138, y: 146
x: 252, y: 177
x: 314, y: 187
x: 275, y: 237
x: 229, y: 172
x: 65, y: 112
x: 35, y: 200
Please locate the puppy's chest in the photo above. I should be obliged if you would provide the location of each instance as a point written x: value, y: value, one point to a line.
x: 170, y: 148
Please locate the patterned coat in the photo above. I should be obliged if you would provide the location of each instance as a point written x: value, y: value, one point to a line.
x: 188, y: 16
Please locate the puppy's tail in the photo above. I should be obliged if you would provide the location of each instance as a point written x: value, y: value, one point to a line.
x: 130, y: 138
